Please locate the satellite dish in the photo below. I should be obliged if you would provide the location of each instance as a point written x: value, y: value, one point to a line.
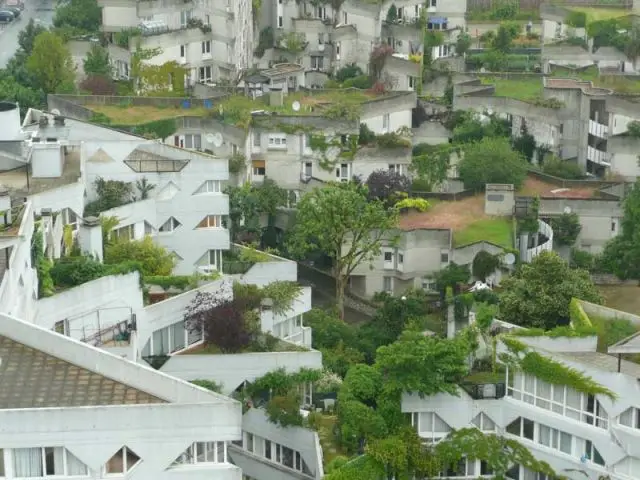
x: 509, y: 259
x: 295, y: 106
x: 567, y: 210
x: 210, y: 137
x: 217, y: 140
x: 55, y: 111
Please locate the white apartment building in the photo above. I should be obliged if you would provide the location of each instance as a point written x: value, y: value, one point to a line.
x: 110, y: 314
x: 70, y: 410
x: 213, y: 39
x: 580, y: 435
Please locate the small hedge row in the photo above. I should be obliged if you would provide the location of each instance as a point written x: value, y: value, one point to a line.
x: 577, y: 315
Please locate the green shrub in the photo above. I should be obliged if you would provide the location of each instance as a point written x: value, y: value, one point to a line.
x: 562, y: 169
x: 361, y: 81
x: 72, y: 271
x: 576, y: 19
x: 577, y: 315
x: 347, y: 72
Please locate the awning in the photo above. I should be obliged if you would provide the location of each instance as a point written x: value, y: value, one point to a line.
x: 258, y: 163
x: 437, y: 20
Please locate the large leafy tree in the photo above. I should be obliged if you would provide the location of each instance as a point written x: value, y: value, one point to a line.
x: 78, y: 16
x: 539, y: 293
x: 491, y: 160
x: 566, y: 229
x: 97, y: 61
x: 27, y: 36
x: 153, y: 259
x: 50, y: 63
x: 339, y: 220
x: 621, y: 255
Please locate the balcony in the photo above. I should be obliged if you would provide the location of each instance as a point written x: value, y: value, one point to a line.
x: 597, y: 156
x: 598, y: 130
x: 485, y: 391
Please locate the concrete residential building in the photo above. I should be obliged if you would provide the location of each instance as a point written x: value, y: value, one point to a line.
x: 580, y: 435
x: 110, y: 313
x: 100, y: 414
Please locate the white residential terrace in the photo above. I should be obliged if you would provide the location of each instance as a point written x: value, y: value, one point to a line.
x: 110, y: 313
x: 579, y: 435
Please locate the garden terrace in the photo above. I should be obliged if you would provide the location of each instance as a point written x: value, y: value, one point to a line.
x: 525, y: 88
x: 595, y: 14
x: 239, y: 259
x: 466, y: 219
x: 140, y: 114
x: 597, y: 84
x: 265, y: 344
x: 534, y: 187
x: 11, y: 220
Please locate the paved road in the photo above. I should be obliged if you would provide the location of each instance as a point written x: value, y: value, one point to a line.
x: 40, y: 10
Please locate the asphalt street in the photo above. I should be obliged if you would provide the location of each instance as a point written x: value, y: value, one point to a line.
x: 40, y: 10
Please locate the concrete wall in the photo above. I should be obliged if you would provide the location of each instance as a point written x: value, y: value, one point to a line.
x: 254, y: 464
x: 231, y: 370
x: 609, y: 313
x: 623, y: 156
x: 92, y: 307
x: 69, y: 196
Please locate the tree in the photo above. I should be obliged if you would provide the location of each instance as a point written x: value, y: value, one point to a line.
x: 144, y: 187
x: 632, y: 45
x: 507, y: 32
x: 27, y: 36
x: 432, y: 165
x: 463, y: 43
x: 387, y: 185
x: 98, y: 85
x: 525, y: 143
x: 392, y: 13
x: 50, y: 63
x: 452, y: 276
x: 491, y: 160
x: 566, y: 229
x: 224, y: 321
x: 78, y: 16
x: 424, y: 365
x: 154, y: 259
x: 484, y: 264
x: 97, y: 62
x: 621, y: 255
x: 538, y: 294
x: 12, y: 90
x: 338, y: 219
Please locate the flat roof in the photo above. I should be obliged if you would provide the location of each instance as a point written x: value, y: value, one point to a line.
x: 33, y: 379
x: 16, y: 180
x: 604, y: 362
x: 535, y: 187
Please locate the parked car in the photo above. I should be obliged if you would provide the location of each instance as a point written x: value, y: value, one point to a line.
x: 6, y: 16
x: 15, y: 10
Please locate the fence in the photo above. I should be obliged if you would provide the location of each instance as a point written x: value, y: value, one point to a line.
x: 444, y: 196
x: 162, y: 102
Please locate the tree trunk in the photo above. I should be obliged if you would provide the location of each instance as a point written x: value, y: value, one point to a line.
x: 340, y: 281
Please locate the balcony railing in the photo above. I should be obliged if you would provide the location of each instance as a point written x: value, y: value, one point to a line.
x: 597, y: 156
x: 545, y: 231
x: 598, y: 129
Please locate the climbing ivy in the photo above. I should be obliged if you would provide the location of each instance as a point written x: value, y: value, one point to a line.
x: 282, y: 294
x: 322, y: 146
x: 41, y: 263
x: 549, y: 370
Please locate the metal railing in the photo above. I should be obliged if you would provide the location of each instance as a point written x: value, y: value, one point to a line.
x: 484, y: 391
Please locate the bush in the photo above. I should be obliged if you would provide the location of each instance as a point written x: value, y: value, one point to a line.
x: 576, y: 19
x: 491, y: 160
x: 562, y: 169
x: 347, y: 72
x: 361, y: 81
x: 154, y: 259
x: 72, y: 271
x: 98, y: 85
x: 366, y: 135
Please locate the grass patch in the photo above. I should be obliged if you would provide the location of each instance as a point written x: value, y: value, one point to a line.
x: 525, y: 89
x: 137, y: 115
x: 330, y: 448
x: 269, y: 344
x: 480, y: 378
x: 595, y: 14
x: 617, y: 83
x: 495, y: 230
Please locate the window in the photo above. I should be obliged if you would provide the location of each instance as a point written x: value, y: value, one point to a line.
x: 210, y: 221
x: 183, y: 51
x: 444, y: 257
x: 484, y: 423
x: 321, y: 39
x: 343, y: 172
x: 400, y: 259
x: 308, y: 169
x: 61, y: 327
x: 278, y: 141
x: 280, y: 23
x: 124, y: 233
x: 337, y: 50
x: 592, y: 453
x: 189, y: 140
x: 429, y: 284
x: 413, y: 81
x: 614, y: 226
x: 430, y: 426
x: 210, y: 186
x: 256, y: 139
x: 206, y: 47
x: 385, y: 122
x: 169, y: 226
x: 205, y: 74
x: 396, y: 168
x: 317, y: 63
x: 203, y: 452
x: 521, y: 427
x: 207, y: 20
x: 542, y: 434
x: 185, y: 16
x: 433, y: 3
x: 388, y: 260
x: 345, y: 18
x: 387, y: 284
x: 630, y: 418
x: 122, y: 461
x: 464, y: 468
x: 45, y: 462
x: 258, y: 168
x: 321, y: 13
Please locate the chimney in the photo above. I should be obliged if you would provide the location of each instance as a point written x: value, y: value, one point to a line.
x: 90, y: 237
x: 58, y: 121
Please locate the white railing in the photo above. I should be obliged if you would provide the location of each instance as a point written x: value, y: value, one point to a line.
x: 546, y: 230
x: 597, y: 156
x: 598, y: 129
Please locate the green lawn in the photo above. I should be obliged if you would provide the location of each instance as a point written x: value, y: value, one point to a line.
x: 595, y: 14
x: 480, y: 378
x: 617, y: 83
x: 495, y: 230
x: 525, y: 89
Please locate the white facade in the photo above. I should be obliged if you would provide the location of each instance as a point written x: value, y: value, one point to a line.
x: 579, y: 435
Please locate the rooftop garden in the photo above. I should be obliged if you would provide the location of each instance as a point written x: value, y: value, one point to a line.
x: 594, y: 14
x: 617, y: 83
x: 525, y: 88
x: 127, y: 114
x: 498, y: 231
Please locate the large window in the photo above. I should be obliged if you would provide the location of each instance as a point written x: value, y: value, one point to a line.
x: 45, y: 462
x: 210, y: 221
x: 630, y: 418
x: 203, y: 452
x: 210, y: 186
x: 558, y: 399
x: 546, y: 436
x: 169, y: 226
x: 430, y: 426
x: 276, y: 453
x: 122, y: 461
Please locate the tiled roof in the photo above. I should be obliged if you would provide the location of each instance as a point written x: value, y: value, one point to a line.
x: 30, y: 378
